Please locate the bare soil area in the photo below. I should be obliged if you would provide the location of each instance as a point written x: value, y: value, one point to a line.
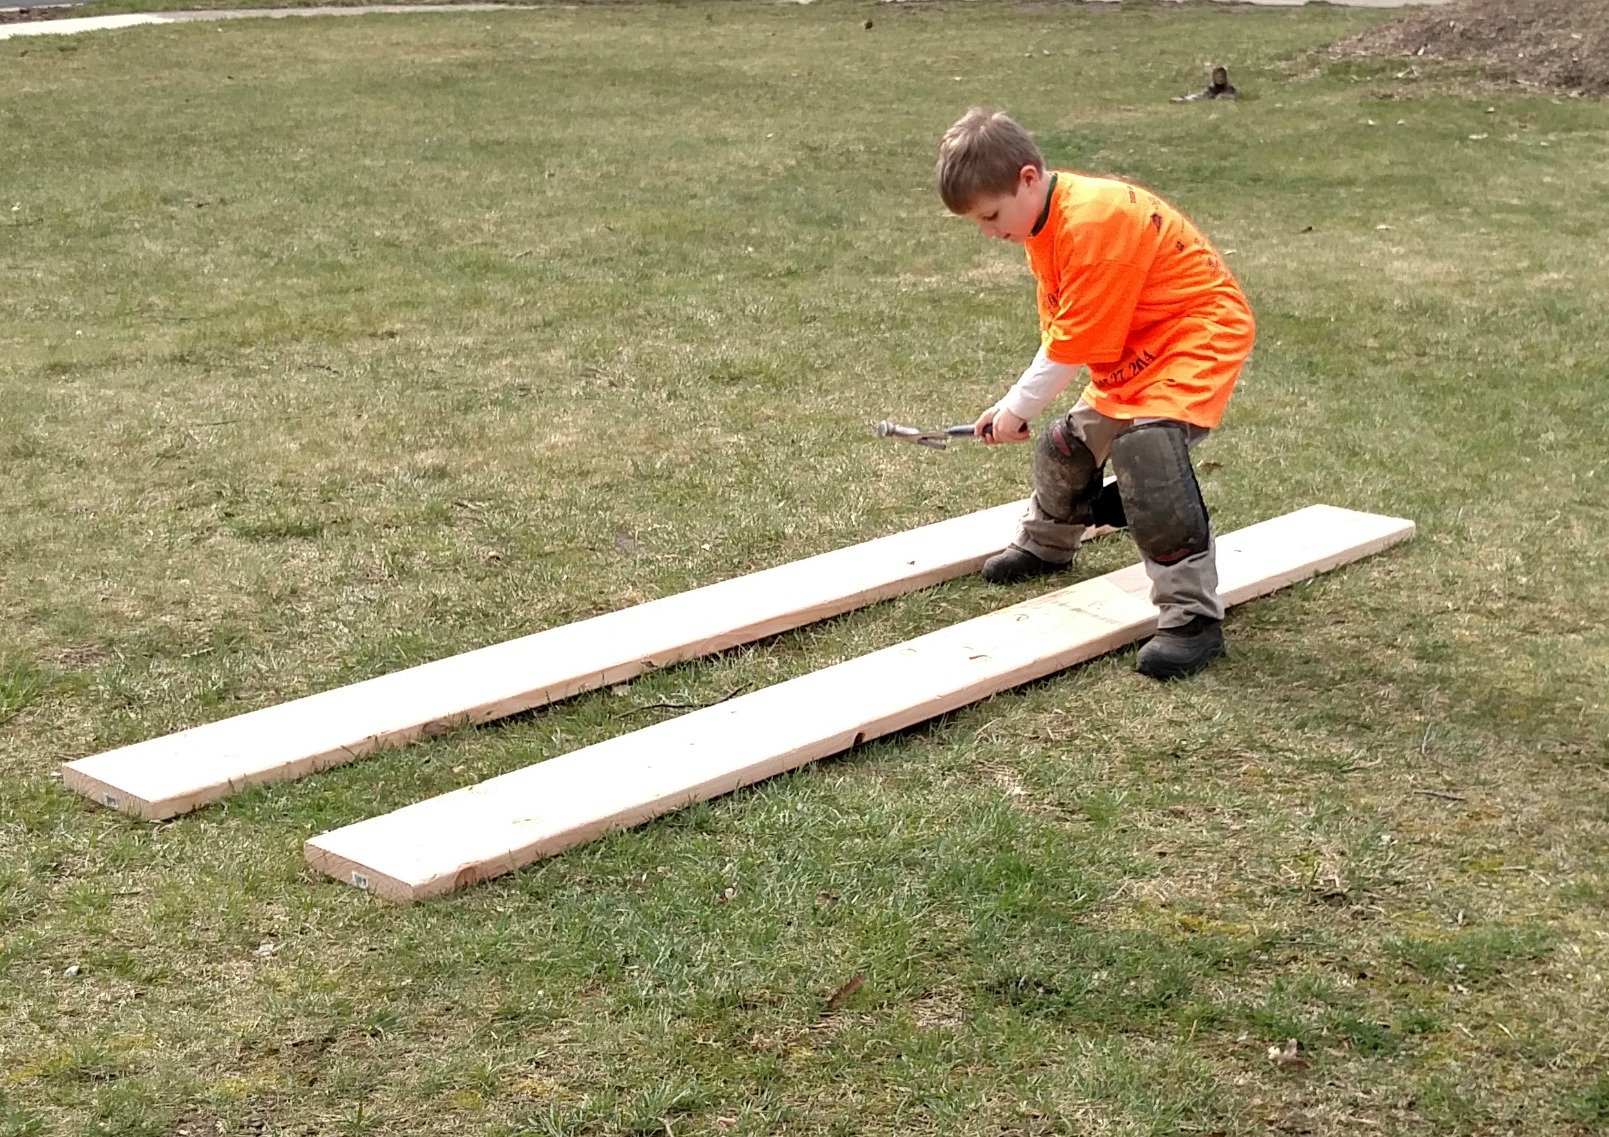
x: 45, y: 12
x: 1549, y: 45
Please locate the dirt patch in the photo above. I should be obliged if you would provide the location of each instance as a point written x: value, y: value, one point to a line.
x: 79, y: 658
x: 1548, y: 45
x: 29, y: 15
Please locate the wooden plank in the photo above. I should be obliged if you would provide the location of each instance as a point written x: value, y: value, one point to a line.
x: 179, y: 772
x: 482, y: 831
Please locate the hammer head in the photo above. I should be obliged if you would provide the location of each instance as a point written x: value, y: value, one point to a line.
x: 934, y: 439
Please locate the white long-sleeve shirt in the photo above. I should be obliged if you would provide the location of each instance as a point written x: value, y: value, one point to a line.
x: 1040, y: 383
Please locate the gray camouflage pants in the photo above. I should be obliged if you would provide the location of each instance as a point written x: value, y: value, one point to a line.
x: 1181, y: 590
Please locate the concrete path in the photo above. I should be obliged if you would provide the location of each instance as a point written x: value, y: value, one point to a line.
x: 69, y: 25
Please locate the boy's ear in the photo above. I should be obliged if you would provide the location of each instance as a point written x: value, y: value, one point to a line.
x: 1028, y: 177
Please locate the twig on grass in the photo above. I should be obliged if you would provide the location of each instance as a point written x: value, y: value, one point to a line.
x: 1355, y: 767
x: 688, y: 706
x: 1442, y: 794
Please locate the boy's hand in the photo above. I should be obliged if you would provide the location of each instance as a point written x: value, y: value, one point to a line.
x: 997, y: 425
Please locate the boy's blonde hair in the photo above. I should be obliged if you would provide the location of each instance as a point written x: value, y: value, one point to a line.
x: 982, y: 156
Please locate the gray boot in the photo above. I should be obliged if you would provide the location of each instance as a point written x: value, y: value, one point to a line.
x: 1015, y: 564
x: 1176, y: 652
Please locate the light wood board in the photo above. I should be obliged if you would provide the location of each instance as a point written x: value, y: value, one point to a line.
x: 482, y: 831
x: 180, y: 772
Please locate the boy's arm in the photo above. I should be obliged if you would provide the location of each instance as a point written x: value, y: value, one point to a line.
x: 1039, y: 384
x: 1007, y: 420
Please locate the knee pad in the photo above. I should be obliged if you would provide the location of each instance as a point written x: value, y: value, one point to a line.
x: 1160, y: 494
x: 1066, y: 475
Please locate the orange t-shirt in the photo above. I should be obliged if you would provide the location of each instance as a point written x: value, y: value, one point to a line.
x: 1128, y: 286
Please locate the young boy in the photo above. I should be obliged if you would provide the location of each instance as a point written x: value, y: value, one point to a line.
x: 1131, y: 289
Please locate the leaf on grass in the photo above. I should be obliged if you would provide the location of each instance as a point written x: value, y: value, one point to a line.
x: 1288, y: 1057
x: 845, y: 993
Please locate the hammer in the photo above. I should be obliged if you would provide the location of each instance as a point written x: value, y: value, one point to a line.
x: 937, y: 439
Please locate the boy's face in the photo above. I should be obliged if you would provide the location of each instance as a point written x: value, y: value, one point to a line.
x: 1011, y: 216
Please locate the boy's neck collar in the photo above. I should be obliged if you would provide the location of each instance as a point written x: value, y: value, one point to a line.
x: 1044, y: 214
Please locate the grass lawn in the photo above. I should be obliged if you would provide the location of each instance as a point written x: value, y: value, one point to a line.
x: 330, y: 347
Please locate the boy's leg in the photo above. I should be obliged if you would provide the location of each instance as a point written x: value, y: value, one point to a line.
x: 1067, y: 479
x: 1169, y: 522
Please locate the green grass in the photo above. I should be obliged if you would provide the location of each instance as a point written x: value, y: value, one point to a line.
x: 332, y: 347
